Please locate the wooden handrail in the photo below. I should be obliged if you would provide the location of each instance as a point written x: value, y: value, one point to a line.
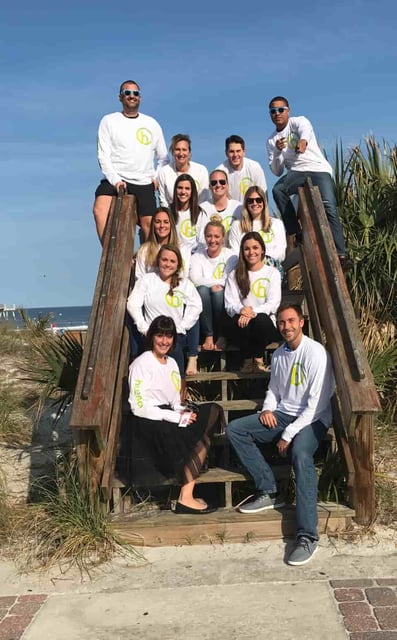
x: 95, y: 390
x: 334, y: 323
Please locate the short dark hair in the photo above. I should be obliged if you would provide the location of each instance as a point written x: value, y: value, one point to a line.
x: 234, y: 139
x: 279, y: 99
x: 160, y: 326
x: 288, y: 305
x: 180, y: 137
x: 128, y: 82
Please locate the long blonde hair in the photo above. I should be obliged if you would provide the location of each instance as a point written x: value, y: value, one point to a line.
x: 246, y: 222
x: 151, y: 246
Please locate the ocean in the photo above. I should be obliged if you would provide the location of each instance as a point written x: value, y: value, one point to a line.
x: 59, y: 317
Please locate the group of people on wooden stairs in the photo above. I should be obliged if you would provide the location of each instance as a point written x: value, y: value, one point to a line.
x: 210, y: 270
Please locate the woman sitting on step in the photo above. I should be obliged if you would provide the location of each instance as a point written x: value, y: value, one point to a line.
x: 252, y: 297
x: 208, y: 271
x: 255, y: 217
x: 165, y: 292
x: 162, y: 231
x: 167, y: 439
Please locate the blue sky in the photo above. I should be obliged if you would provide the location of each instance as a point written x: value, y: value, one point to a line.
x: 206, y: 68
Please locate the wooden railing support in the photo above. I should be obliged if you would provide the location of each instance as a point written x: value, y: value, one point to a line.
x: 96, y: 391
x: 334, y: 323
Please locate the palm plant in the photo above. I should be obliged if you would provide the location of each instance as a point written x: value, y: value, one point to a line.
x: 366, y: 185
x: 55, y: 368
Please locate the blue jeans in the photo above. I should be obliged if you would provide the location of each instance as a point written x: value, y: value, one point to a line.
x: 288, y: 186
x: 190, y: 340
x: 244, y: 433
x: 211, y: 315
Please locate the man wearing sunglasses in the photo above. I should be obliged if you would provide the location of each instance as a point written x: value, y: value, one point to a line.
x: 243, y: 172
x: 293, y: 147
x: 128, y: 141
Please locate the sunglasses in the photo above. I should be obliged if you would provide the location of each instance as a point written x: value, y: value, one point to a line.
x: 130, y: 92
x: 213, y: 183
x: 254, y: 200
x: 274, y: 110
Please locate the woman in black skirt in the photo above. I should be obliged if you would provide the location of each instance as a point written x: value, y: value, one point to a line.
x: 168, y: 439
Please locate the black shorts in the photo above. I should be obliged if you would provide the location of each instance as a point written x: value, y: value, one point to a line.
x: 144, y: 193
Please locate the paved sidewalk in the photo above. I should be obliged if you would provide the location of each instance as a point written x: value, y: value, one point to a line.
x: 222, y: 592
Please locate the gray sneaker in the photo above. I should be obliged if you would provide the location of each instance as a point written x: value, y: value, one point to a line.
x: 261, y: 502
x: 303, y: 552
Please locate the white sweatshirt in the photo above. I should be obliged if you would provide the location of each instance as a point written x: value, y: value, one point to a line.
x: 240, y: 180
x: 152, y: 384
x: 275, y: 239
x: 149, y: 299
x: 167, y: 175
x: 312, y: 159
x: 264, y: 295
x: 301, y: 384
x: 127, y: 146
x: 211, y: 271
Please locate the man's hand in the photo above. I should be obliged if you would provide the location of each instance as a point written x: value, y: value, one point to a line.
x: 268, y: 419
x: 282, y: 446
x: 119, y: 185
x: 301, y: 146
x: 216, y: 287
x: 281, y: 143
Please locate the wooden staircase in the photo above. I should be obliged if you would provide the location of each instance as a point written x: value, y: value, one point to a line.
x: 98, y: 406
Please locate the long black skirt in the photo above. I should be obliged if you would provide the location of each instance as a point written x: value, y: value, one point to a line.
x: 153, y: 451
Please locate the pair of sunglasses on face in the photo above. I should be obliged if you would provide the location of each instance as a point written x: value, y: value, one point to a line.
x: 274, y: 110
x: 130, y: 92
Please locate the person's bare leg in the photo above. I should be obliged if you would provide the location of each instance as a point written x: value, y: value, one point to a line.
x: 101, y: 211
x: 144, y: 223
x: 186, y: 493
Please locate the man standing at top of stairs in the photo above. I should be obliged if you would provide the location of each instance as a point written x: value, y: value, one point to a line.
x: 296, y: 414
x: 127, y: 143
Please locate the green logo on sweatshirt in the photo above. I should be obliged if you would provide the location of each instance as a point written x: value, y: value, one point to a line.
x: 297, y: 375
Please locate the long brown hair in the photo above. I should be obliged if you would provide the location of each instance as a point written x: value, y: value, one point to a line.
x: 246, y: 220
x: 193, y: 202
x: 176, y: 277
x: 242, y: 277
x: 151, y: 246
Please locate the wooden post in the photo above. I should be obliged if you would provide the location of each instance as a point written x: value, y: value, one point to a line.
x: 362, y: 448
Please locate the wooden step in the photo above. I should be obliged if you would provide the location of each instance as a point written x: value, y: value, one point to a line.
x: 214, y: 475
x: 208, y: 376
x: 146, y: 527
x: 239, y: 405
x: 232, y: 348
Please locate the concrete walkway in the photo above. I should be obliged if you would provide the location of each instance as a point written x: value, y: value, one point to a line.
x: 213, y: 592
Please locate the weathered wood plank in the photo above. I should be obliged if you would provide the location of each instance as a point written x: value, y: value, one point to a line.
x: 165, y: 528
x: 209, y: 376
x: 361, y: 443
x: 96, y: 383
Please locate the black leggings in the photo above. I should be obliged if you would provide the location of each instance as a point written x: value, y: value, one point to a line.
x: 253, y: 338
